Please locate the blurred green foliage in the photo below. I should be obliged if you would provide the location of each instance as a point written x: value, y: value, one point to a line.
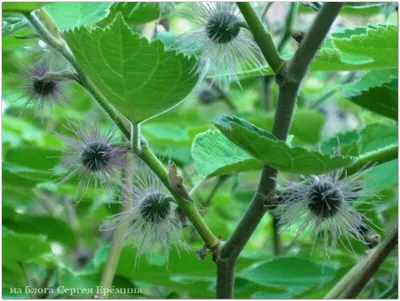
x: 50, y: 240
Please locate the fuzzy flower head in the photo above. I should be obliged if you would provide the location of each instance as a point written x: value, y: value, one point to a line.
x: 226, y: 46
x: 150, y: 215
x: 43, y: 86
x: 92, y: 156
x: 324, y: 205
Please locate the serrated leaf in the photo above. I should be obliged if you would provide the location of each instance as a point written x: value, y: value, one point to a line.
x: 376, y: 136
x: 136, y: 13
x: 73, y: 14
x: 380, y: 44
x: 332, y: 57
x: 306, y: 126
x: 381, y: 100
x: 139, y: 78
x: 371, y: 79
x: 361, y: 141
x: 348, y: 142
x: 265, y: 147
x: 372, y: 93
x: 215, y: 155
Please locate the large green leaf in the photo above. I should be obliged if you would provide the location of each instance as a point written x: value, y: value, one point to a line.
x: 215, y: 155
x: 33, y: 157
x: 73, y: 14
x: 363, y: 48
x: 372, y: 93
x: 23, y: 248
x: 19, y: 176
x: 55, y: 229
x: 379, y: 44
x: 361, y: 141
x: 136, y: 13
x: 265, y: 147
x: 139, y: 78
x: 378, y: 135
x: 306, y: 126
x: 22, y: 7
x: 293, y: 275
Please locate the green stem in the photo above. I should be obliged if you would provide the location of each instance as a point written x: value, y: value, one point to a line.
x: 380, y: 156
x: 261, y: 36
x: 188, y: 207
x: 110, y: 267
x: 356, y: 279
x: 290, y: 78
x: 294, y: 7
x: 268, y: 79
x: 145, y: 154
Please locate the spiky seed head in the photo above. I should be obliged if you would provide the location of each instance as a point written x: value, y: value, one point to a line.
x: 150, y: 213
x: 96, y: 156
x: 324, y: 205
x: 226, y: 47
x: 324, y: 199
x: 222, y: 27
x: 155, y: 207
x: 42, y: 86
x: 92, y: 156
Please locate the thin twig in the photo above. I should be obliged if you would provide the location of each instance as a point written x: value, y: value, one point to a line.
x: 371, y: 266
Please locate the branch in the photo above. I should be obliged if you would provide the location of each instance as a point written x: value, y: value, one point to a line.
x: 145, y: 154
x: 356, y: 279
x: 378, y: 157
x: 290, y: 79
x: 261, y: 36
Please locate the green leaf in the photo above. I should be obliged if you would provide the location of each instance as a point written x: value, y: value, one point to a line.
x: 33, y: 157
x: 371, y: 93
x: 371, y: 79
x: 215, y: 155
x: 55, y: 229
x: 378, y: 135
x: 379, y: 44
x: 139, y: 78
x: 22, y: 7
x: 73, y: 14
x: 265, y: 147
x: 361, y: 141
x: 381, y: 100
x: 293, y: 275
x: 348, y: 142
x: 349, y: 51
x: 18, y: 176
x: 136, y: 13
x: 306, y: 126
x: 23, y: 248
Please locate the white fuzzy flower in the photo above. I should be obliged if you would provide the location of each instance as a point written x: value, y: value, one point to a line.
x: 92, y: 156
x: 226, y: 46
x: 323, y: 204
x: 150, y: 215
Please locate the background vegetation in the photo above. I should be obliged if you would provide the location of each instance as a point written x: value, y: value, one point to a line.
x: 50, y: 240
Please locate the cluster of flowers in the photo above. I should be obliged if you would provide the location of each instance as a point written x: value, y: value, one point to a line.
x: 323, y: 202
